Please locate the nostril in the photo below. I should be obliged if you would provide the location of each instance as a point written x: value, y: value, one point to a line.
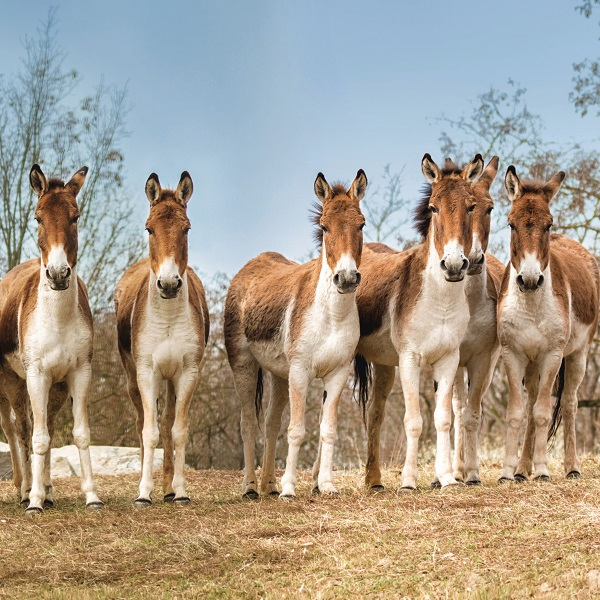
x: 465, y: 264
x: 159, y: 284
x: 358, y: 277
x: 47, y: 273
x: 179, y: 282
x: 68, y: 272
x: 336, y: 279
x: 540, y: 281
x: 520, y: 281
x: 443, y: 265
x: 480, y: 261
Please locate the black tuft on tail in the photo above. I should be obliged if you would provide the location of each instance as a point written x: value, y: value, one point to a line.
x: 557, y: 414
x: 363, y: 377
x: 259, y: 393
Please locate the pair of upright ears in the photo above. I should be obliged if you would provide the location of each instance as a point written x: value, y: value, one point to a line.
x: 356, y: 191
x: 183, y: 192
x: 515, y: 188
x: 39, y: 182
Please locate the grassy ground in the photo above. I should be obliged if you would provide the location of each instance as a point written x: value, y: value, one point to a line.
x: 510, y: 541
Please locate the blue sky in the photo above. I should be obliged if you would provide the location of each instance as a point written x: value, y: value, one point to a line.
x: 255, y: 98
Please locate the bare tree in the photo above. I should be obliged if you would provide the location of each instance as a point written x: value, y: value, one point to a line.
x: 39, y: 124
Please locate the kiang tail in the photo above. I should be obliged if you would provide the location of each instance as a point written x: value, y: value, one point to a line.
x: 557, y: 414
x: 363, y: 378
x: 258, y: 398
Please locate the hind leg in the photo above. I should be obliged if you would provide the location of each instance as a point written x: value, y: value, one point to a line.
x: 166, y: 435
x: 279, y: 400
x: 459, y: 402
x: 8, y: 427
x: 525, y: 464
x: 383, y: 380
x: 574, y: 373
x: 57, y: 398
x: 245, y: 377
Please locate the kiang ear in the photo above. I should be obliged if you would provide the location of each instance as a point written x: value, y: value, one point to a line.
x: 322, y: 188
x: 76, y: 182
x: 185, y: 188
x: 551, y: 187
x: 153, y: 189
x: 359, y: 186
x: 512, y: 183
x: 490, y: 172
x: 473, y: 171
x: 38, y: 180
x: 430, y: 170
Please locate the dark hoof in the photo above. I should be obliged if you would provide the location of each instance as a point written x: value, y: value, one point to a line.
x: 520, y: 478
x: 435, y: 485
x: 274, y: 493
x: 287, y: 497
x: 406, y: 490
x: 251, y: 495
x: 505, y: 480
x: 315, y: 491
x: 183, y: 501
x: 471, y: 482
x: 24, y: 503
x: 93, y: 506
x: 542, y: 478
x: 32, y: 511
x: 374, y: 489
x: 142, y: 503
x: 573, y: 475
x: 48, y: 503
x: 169, y: 497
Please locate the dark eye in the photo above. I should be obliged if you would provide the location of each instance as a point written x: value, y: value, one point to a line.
x: 549, y: 227
x: 489, y: 211
x: 186, y: 230
x: 325, y: 230
x: 511, y: 226
x: 433, y: 209
x: 362, y: 226
x: 471, y: 208
x: 75, y: 219
x: 37, y: 219
x: 150, y: 231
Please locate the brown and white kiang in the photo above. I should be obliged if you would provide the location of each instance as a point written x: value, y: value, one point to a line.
x: 299, y: 322
x: 163, y: 327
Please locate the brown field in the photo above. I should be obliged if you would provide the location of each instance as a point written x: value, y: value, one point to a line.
x: 510, y: 541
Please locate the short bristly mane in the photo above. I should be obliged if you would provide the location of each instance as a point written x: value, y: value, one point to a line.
x: 316, y: 212
x: 421, y: 213
x: 55, y: 183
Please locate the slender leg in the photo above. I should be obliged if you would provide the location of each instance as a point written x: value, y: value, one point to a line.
x: 185, y: 387
x: 9, y: 429
x: 136, y: 398
x: 542, y: 412
x: 299, y: 381
x: 334, y: 385
x: 574, y: 373
x: 410, y: 371
x: 166, y: 426
x: 279, y: 400
x: 444, y: 372
x: 515, y: 370
x: 383, y: 380
x: 56, y: 399
x: 481, y: 371
x: 245, y: 377
x: 38, y: 386
x: 525, y: 464
x: 459, y: 402
x: 79, y: 382
x: 149, y: 386
x: 317, y: 464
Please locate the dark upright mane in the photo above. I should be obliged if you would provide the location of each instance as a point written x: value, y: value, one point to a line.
x: 421, y: 213
x: 316, y: 212
x: 55, y: 183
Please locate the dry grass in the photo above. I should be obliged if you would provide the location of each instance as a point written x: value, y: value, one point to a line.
x: 494, y: 541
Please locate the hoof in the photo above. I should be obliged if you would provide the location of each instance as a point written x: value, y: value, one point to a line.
x: 48, y: 503
x: 519, y: 478
x: 32, y: 511
x: 472, y: 482
x: 542, y: 478
x: 406, y: 490
x: 250, y: 495
x: 505, y: 480
x: 287, y: 497
x: 142, y: 503
x: 169, y: 497
x: 435, y: 485
x: 374, y: 489
x: 315, y: 491
x: 573, y: 475
x: 274, y: 494
x: 24, y: 503
x: 93, y: 506
x: 183, y: 501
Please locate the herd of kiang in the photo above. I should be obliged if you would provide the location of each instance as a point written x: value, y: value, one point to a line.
x: 445, y: 302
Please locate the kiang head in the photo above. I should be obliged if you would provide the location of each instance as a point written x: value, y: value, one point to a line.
x: 339, y: 224
x: 57, y: 215
x: 168, y: 226
x: 482, y: 217
x: 530, y: 221
x: 444, y: 215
